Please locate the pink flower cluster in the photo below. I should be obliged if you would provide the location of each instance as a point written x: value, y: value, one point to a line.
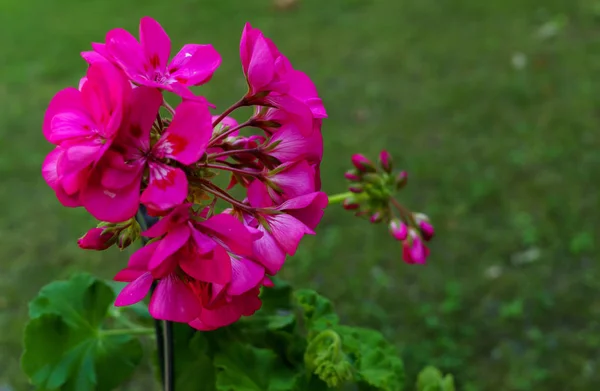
x: 116, y: 149
x: 372, y: 196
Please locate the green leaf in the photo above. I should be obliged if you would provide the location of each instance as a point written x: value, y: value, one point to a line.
x: 193, y: 366
x: 65, y: 348
x: 245, y: 368
x: 376, y: 361
x: 317, y: 311
x: 432, y: 379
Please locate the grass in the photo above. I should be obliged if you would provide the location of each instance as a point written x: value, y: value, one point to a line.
x: 490, y: 105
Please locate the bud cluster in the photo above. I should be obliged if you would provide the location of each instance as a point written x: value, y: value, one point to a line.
x: 374, y: 188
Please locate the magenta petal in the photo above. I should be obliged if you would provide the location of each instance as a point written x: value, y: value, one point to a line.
x: 126, y: 51
x: 50, y: 167
x: 268, y: 252
x: 145, y: 103
x: 173, y: 300
x: 203, y: 243
x: 261, y: 68
x: 288, y: 231
x: 188, y: 135
x: 245, y: 276
x: 169, y: 245
x: 309, y: 208
x: 156, y: 43
x: 258, y: 196
x: 214, y: 267
x: 135, y: 291
x: 231, y: 232
x: 298, y: 112
x: 302, y: 88
x: 141, y: 258
x: 246, y: 42
x: 69, y: 105
x: 296, y: 179
x: 178, y: 216
x: 168, y: 187
x: 113, y: 206
x: 194, y: 64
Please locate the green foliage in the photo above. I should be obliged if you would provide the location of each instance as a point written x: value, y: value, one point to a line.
x: 294, y: 343
x: 65, y: 345
x: 432, y: 379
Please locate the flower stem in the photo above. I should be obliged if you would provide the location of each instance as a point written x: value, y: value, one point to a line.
x: 232, y: 169
x: 168, y: 107
x: 136, y: 331
x: 218, y: 192
x: 240, y: 103
x: 337, y: 198
x: 169, y: 356
x: 221, y: 136
x: 232, y: 152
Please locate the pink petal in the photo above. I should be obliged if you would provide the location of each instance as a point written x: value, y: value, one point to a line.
x: 298, y: 112
x: 155, y: 43
x: 302, y: 88
x: 309, y: 208
x: 135, y: 291
x: 249, y: 34
x: 173, y: 300
x: 126, y: 51
x: 258, y: 196
x: 50, y: 167
x: 113, y: 206
x: 169, y: 245
x: 92, y: 57
x: 69, y: 104
x: 261, y: 68
x: 229, y: 312
x: 288, y: 231
x: 116, y: 174
x: 214, y: 267
x: 296, y: 179
x: 268, y: 252
x: 231, y: 232
x: 194, y: 64
x: 179, y: 216
x: 145, y: 103
x: 203, y: 243
x: 77, y: 157
x: 168, y: 187
x: 245, y: 276
x: 188, y: 135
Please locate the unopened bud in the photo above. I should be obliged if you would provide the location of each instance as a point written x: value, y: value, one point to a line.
x: 398, y: 229
x: 385, y: 161
x: 352, y: 176
x: 426, y: 230
x: 356, y: 189
x: 128, y: 236
x: 97, y: 239
x: 376, y: 218
x: 363, y: 164
x: 372, y: 178
x: 401, y: 180
x: 350, y: 204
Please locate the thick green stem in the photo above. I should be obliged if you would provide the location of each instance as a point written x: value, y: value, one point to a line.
x: 337, y: 198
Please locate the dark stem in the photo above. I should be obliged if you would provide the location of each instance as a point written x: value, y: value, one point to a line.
x: 222, y: 194
x: 236, y: 105
x: 213, y: 156
x: 164, y: 331
x: 233, y: 169
x: 220, y: 137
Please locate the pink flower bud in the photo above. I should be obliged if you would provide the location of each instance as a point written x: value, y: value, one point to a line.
x: 398, y: 229
x: 427, y: 230
x: 401, y: 180
x: 385, y: 160
x: 356, y: 189
x: 414, y: 251
x: 376, y: 218
x: 350, y: 204
x: 97, y: 239
x: 352, y: 176
x: 362, y: 164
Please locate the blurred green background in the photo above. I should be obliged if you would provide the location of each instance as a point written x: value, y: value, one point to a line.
x: 491, y: 105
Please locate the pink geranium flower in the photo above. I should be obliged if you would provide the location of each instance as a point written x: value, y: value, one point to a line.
x: 147, y: 62
x: 115, y: 195
x: 84, y: 125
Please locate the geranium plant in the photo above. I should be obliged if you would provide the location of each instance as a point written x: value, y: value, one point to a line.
x: 218, y: 205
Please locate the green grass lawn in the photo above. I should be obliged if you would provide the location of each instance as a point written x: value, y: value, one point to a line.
x: 491, y: 105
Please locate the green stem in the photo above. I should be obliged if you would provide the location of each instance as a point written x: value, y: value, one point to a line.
x: 337, y: 198
x: 137, y: 331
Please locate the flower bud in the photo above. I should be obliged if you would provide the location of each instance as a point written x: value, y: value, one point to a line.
x: 385, y: 161
x: 398, y: 229
x: 350, y: 204
x: 351, y: 175
x: 414, y: 251
x: 363, y: 164
x: 357, y: 188
x: 401, y: 180
x: 426, y: 230
x: 128, y: 236
x: 97, y: 239
x: 372, y: 178
x: 376, y: 217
